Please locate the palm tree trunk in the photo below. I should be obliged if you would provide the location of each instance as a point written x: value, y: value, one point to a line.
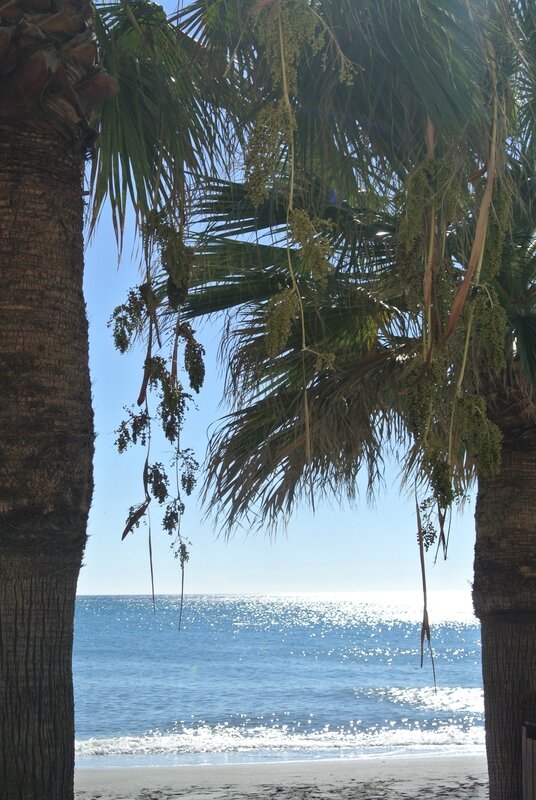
x: 36, y: 724
x: 504, y: 596
x: 46, y: 449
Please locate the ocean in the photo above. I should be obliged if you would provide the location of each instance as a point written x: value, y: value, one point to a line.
x: 268, y: 678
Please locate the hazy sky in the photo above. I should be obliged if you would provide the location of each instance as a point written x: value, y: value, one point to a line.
x: 332, y: 550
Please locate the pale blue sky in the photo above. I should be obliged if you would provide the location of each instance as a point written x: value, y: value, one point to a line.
x: 332, y: 550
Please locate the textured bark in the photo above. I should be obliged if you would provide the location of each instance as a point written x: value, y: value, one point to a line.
x: 36, y: 723
x: 50, y: 82
x: 46, y: 448
x: 504, y: 596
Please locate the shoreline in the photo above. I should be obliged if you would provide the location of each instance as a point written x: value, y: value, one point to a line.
x: 393, y: 778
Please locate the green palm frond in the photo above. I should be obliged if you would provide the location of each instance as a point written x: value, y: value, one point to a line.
x: 256, y: 466
x: 229, y: 274
x: 397, y: 132
x: 526, y: 83
x: 339, y: 322
x: 164, y: 119
x: 359, y: 234
x: 353, y: 337
x: 357, y: 377
x: 409, y: 62
x: 401, y: 64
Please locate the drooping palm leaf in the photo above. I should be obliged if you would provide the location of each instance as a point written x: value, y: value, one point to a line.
x: 256, y: 461
x: 163, y: 120
x: 403, y: 64
x: 345, y: 322
x: 393, y: 333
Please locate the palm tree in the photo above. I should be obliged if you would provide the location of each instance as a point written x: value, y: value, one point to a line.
x: 378, y: 268
x: 143, y: 127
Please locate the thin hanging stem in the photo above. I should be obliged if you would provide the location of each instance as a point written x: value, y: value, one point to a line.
x: 181, y: 606
x: 151, y: 560
x: 430, y: 255
x: 425, y: 627
x: 306, y: 413
x: 183, y: 552
x: 472, y: 274
x: 147, y: 501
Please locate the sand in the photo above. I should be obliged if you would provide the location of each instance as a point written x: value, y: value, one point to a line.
x: 418, y: 778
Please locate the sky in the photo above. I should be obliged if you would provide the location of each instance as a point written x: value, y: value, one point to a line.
x: 333, y: 550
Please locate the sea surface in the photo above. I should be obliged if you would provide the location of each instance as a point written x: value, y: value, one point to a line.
x: 268, y: 678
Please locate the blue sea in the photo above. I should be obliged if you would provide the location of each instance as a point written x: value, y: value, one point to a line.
x: 268, y: 678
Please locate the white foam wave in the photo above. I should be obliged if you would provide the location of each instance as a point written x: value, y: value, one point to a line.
x: 208, y: 739
x: 456, y: 699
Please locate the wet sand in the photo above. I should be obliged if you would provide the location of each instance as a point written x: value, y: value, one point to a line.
x: 418, y: 778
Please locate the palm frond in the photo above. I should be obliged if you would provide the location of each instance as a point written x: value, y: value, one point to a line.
x: 405, y: 140
x: 256, y: 467
x: 164, y: 119
x: 229, y: 274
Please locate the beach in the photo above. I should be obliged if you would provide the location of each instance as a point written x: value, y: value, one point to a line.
x: 392, y: 778
x: 294, y: 698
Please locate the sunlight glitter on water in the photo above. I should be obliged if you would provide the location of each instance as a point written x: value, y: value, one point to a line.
x: 286, y: 676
